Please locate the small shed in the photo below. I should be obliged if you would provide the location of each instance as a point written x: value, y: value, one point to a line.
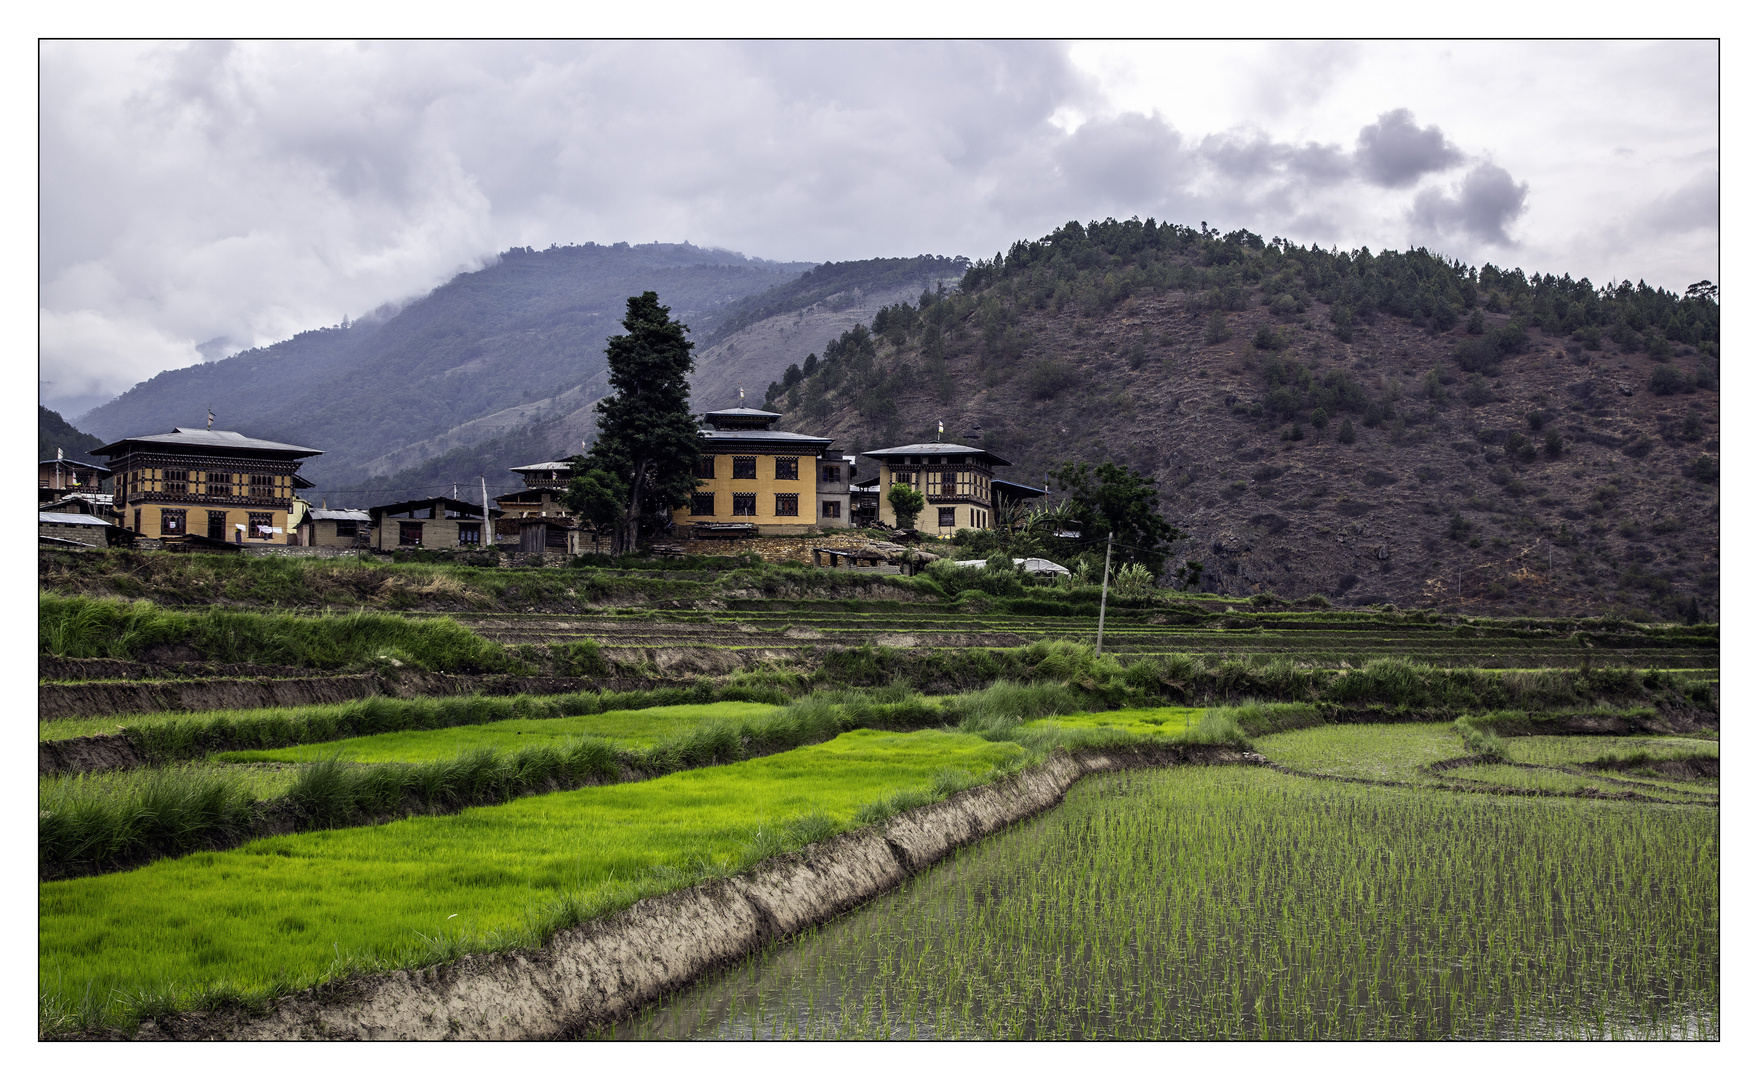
x: 79, y: 530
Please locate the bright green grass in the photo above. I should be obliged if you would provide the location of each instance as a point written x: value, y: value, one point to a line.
x: 265, y: 781
x: 635, y: 728
x: 1150, y: 723
x: 285, y: 909
x: 1365, y: 751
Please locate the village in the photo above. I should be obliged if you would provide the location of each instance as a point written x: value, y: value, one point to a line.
x: 761, y: 491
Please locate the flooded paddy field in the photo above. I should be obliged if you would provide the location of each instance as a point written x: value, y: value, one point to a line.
x: 1231, y: 903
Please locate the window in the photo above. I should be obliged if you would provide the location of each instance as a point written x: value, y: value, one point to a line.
x: 261, y: 526
x: 137, y: 520
x: 744, y: 504
x: 705, y: 467
x: 947, y: 514
x: 833, y: 509
x: 787, y: 468
x: 262, y: 486
x: 347, y: 528
x: 171, y: 522
x: 787, y: 505
x: 702, y: 504
x: 833, y: 473
x: 216, y: 524
x: 470, y: 533
x: 904, y: 478
x: 949, y: 482
x: 744, y: 468
x: 219, y: 483
x: 408, y: 533
x: 176, y: 481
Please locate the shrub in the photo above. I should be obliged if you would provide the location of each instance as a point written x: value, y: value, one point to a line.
x: 1346, y: 432
x: 1705, y: 470
x: 1458, y: 528
x: 1216, y: 331
x: 1048, y: 377
x: 1553, y: 443
x: 1477, y: 391
x: 1319, y: 419
x: 1519, y: 446
x: 1667, y: 379
x: 1268, y: 337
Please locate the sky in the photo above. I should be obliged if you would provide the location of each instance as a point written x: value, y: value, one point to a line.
x: 198, y: 198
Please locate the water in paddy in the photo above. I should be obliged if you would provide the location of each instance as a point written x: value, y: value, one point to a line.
x: 1234, y: 903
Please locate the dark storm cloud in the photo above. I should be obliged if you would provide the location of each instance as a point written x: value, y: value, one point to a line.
x: 1395, y: 153
x: 1482, y: 207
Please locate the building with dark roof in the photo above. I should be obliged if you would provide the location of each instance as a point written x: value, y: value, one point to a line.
x: 428, y: 524
x: 342, y: 528
x: 58, y: 477
x: 219, y: 485
x: 955, y: 481
x: 754, y: 479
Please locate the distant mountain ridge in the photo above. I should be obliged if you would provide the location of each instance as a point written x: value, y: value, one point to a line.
x: 508, y: 337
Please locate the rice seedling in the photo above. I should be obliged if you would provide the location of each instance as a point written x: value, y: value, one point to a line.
x: 291, y: 910
x: 1209, y: 903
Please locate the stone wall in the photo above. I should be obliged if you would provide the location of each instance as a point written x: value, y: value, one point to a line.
x: 83, y: 534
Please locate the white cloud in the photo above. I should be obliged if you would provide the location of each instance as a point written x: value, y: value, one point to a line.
x: 90, y: 353
x: 242, y: 192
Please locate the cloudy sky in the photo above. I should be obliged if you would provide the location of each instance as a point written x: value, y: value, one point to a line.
x: 198, y: 198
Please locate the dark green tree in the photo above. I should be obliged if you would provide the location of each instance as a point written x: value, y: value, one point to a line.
x: 646, y: 435
x: 595, y: 495
x: 906, y: 502
x: 1113, y: 499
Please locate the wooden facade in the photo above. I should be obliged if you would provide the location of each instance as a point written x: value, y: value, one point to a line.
x: 954, y: 481
x: 221, y: 486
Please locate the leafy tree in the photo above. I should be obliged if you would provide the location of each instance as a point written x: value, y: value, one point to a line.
x: 646, y: 435
x: 1667, y: 379
x: 1114, y: 500
x: 906, y: 502
x: 596, y: 495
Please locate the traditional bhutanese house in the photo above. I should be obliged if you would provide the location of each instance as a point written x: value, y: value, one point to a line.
x: 59, y: 477
x: 834, y: 505
x: 215, y: 485
x: 73, y: 530
x: 535, y: 517
x: 344, y: 528
x: 753, y: 479
x: 955, y: 482
x: 427, y: 524
x: 863, y: 501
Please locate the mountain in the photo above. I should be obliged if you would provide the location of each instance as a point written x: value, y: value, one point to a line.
x: 503, y: 366
x: 54, y: 433
x: 503, y: 347
x: 1373, y: 428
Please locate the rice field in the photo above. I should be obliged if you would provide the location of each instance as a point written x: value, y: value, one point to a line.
x: 289, y: 910
x: 632, y: 728
x: 1214, y: 903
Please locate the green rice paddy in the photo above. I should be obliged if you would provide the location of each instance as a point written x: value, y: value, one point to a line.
x: 288, y: 910
x: 1210, y: 903
x: 633, y: 728
x: 1144, y: 723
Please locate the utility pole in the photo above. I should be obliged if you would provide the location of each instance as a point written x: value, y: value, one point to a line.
x: 1104, y: 591
x: 487, y: 535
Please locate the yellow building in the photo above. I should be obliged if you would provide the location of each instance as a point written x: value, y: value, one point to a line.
x: 214, y: 485
x: 766, y: 480
x: 955, y: 482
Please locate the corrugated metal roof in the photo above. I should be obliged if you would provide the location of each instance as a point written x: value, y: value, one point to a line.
x: 338, y: 515
x: 559, y: 466
x: 229, y: 440
x: 46, y: 518
x: 761, y: 437
x: 936, y: 449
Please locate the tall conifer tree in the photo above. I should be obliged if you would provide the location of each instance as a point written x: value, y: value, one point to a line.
x: 646, y: 435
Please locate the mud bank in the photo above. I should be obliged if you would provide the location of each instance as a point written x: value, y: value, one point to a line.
x: 596, y: 973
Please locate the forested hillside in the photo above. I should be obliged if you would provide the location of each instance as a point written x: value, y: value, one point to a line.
x: 54, y: 433
x: 1392, y: 427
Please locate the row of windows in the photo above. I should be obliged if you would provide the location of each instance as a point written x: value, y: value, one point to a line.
x: 188, y: 481
x: 744, y: 504
x: 745, y: 468
x: 409, y: 533
x: 176, y: 523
